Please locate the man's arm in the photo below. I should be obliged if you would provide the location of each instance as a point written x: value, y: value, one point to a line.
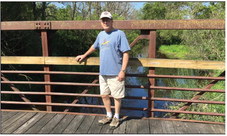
x: 79, y: 58
x: 125, y: 60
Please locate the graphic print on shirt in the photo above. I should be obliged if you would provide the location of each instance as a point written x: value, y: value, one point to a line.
x: 105, y: 42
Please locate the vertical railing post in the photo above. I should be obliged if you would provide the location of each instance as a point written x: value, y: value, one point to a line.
x: 151, y: 54
x: 46, y: 68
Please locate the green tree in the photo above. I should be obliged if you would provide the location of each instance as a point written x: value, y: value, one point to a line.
x: 16, y: 11
x: 165, y: 10
x: 206, y: 44
x: 19, y: 42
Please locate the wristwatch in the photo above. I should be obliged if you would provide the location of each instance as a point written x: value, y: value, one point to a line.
x: 123, y: 71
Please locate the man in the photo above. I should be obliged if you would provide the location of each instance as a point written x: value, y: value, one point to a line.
x: 114, y: 57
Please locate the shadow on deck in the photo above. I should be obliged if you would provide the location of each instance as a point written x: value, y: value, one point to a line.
x: 52, y: 123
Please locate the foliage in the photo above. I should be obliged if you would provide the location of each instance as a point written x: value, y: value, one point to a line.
x: 154, y: 10
x: 23, y: 11
x: 205, y: 44
x: 18, y: 42
x: 174, y: 51
x: 164, y: 10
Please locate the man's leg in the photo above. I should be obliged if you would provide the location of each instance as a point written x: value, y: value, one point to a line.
x: 116, y: 121
x: 117, y: 103
x: 105, y: 91
x: 106, y: 102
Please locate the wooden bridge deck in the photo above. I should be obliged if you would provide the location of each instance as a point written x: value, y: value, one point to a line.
x: 52, y: 123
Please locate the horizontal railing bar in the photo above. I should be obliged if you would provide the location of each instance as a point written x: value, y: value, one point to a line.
x: 188, y: 112
x: 120, y: 24
x: 101, y: 106
x: 50, y: 72
x: 127, y: 97
x: 52, y: 93
x: 185, y: 100
x: 49, y: 83
x: 96, y: 74
x: 94, y: 61
x: 188, y: 89
x: 68, y: 105
x: 127, y: 86
x: 186, y: 77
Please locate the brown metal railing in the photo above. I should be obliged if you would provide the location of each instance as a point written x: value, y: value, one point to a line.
x: 96, y: 95
x: 148, y: 31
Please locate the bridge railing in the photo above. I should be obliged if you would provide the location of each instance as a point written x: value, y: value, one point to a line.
x: 148, y: 31
x: 145, y: 62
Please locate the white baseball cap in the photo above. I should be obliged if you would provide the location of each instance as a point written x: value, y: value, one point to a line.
x: 106, y: 14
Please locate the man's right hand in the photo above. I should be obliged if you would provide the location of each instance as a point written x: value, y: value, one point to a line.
x: 79, y: 58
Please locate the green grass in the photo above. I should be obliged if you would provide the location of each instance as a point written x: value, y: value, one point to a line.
x: 174, y: 51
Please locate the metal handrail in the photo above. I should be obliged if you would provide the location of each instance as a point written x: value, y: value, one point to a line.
x: 96, y: 74
x: 127, y: 86
x: 127, y: 97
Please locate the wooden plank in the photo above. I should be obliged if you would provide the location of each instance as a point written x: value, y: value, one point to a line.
x: 120, y: 24
x: 85, y: 125
x: 27, y: 124
x: 193, y: 128
x: 155, y: 126
x: 222, y: 129
x: 71, y: 61
x: 22, y: 129
x: 7, y: 115
x: 94, y: 61
x: 218, y: 129
x: 22, y: 60
x: 143, y: 127
x: 167, y: 127
x: 95, y: 127
x: 18, y: 123
x: 74, y: 124
x: 62, y: 124
x: 131, y: 126
x: 206, y: 128
x: 175, y: 63
x: 203, y: 128
x: 106, y: 129
x: 40, y: 124
x: 180, y: 127
x: 51, y: 124
x: 121, y: 129
x: 10, y: 121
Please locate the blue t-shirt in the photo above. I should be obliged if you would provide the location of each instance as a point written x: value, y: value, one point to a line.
x: 112, y: 45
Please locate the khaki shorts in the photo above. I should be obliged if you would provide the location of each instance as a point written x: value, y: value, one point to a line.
x: 110, y: 85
